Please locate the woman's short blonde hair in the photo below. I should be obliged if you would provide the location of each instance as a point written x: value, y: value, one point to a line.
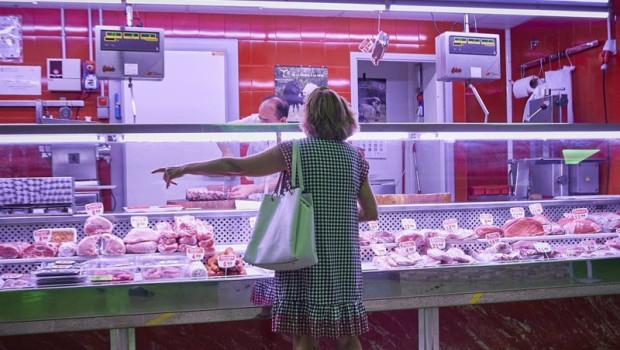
x: 328, y: 116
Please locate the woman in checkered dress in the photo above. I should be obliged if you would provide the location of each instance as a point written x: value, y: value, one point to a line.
x: 325, y: 300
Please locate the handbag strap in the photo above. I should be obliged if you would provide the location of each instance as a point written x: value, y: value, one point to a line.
x: 296, y: 167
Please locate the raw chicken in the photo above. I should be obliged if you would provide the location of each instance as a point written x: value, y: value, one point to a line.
x: 96, y: 225
x: 112, y: 245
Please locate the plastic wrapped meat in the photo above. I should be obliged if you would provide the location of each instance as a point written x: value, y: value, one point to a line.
x: 207, y: 245
x: 609, y: 222
x: 97, y: 225
x: 401, y: 260
x: 384, y: 237
x: 570, y: 251
x: 460, y: 235
x: 12, y: 250
x: 496, y: 257
x: 185, y: 225
x: 204, y: 194
x: 167, y: 243
x: 527, y: 250
x: 165, y: 228
x: 523, y: 227
x: 459, y: 256
x: 483, y: 230
x: 89, y: 246
x: 112, y: 245
x: 383, y: 262
x: 553, y: 229
x: 142, y: 247
x: 143, y: 234
x: 366, y: 239
x: 500, y: 247
x: 40, y: 250
x: 197, y: 269
x: 410, y: 236
x: 204, y: 231
x: 581, y: 226
x: 67, y: 249
x: 189, y: 240
x: 428, y: 262
x: 613, y: 243
x: 439, y: 255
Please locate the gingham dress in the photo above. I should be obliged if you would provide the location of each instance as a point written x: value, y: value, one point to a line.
x: 325, y: 300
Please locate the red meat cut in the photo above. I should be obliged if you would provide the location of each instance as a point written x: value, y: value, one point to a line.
x: 581, y: 226
x: 483, y: 230
x: 12, y: 250
x: 40, y: 250
x: 523, y: 227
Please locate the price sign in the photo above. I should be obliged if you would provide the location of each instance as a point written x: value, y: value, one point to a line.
x: 379, y: 249
x: 486, y: 219
x: 195, y: 253
x: 365, y: 45
x: 139, y: 221
x: 492, y: 238
x: 226, y: 261
x: 252, y: 221
x: 409, y: 247
x: 438, y: 242
x: 542, y: 247
x: 517, y: 212
x: 536, y: 209
x: 450, y: 224
x: 374, y: 225
x: 94, y: 208
x: 409, y: 224
x: 588, y: 245
x: 580, y: 213
x: 44, y: 235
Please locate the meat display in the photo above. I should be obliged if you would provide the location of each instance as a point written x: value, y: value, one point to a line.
x: 112, y: 245
x: 12, y: 250
x: 483, y: 230
x: 580, y: 226
x: 203, y: 194
x: 541, y: 218
x: 609, y: 222
x: 97, y: 225
x: 110, y: 275
x: 142, y: 247
x: 67, y: 249
x: 89, y: 246
x: 142, y: 234
x: 527, y: 250
x: 523, y: 227
x: 459, y: 256
x: 410, y: 236
x: 553, y: 229
x: 162, y: 272
x: 204, y: 231
x: 40, y: 250
x: 439, y: 255
x: 373, y: 237
x: 167, y: 243
x: 185, y: 226
x: 383, y: 262
x: 197, y: 269
x: 188, y: 240
x: 207, y: 245
x: 214, y: 270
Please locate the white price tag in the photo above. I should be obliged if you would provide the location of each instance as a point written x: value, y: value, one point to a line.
x: 536, y: 209
x: 409, y: 224
x: 486, y: 219
x: 517, y: 212
x: 438, y: 242
x: 588, y: 245
x: 568, y: 215
x: 580, y: 213
x: 492, y: 238
x: 226, y: 261
x: 379, y: 249
x: 409, y: 247
x: 542, y: 247
x: 450, y: 224
x: 94, y: 208
x: 44, y: 235
x: 252, y: 221
x: 195, y: 253
x: 139, y: 221
x: 373, y: 225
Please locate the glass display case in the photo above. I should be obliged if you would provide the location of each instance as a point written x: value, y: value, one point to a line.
x: 494, y: 212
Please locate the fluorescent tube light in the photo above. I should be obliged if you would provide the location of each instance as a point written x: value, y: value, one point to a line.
x: 286, y: 5
x: 50, y: 138
x: 501, y: 11
x: 34, y: 2
x: 515, y: 136
x: 200, y: 137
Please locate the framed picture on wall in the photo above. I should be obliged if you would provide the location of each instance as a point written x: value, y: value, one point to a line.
x: 295, y: 83
x: 11, y: 49
x: 372, y: 101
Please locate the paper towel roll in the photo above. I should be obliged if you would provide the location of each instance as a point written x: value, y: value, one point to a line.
x: 524, y: 86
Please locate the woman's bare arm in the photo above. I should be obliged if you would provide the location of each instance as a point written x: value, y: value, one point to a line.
x: 367, y: 204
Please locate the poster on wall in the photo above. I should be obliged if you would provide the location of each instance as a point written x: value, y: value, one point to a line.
x: 295, y: 83
x: 11, y: 49
x: 372, y: 101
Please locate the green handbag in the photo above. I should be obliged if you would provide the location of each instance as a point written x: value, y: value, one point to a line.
x: 283, y: 236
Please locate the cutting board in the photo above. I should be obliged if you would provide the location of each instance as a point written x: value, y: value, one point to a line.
x: 222, y: 204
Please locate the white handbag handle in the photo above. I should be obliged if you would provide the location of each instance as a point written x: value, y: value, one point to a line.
x: 296, y: 167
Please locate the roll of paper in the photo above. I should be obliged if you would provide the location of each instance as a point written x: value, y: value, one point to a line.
x: 524, y: 86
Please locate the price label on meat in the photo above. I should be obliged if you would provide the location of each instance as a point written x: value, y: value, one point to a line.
x: 44, y: 235
x: 409, y: 224
x: 139, y: 221
x: 373, y: 225
x: 486, y: 219
x: 252, y: 221
x: 226, y: 261
x: 580, y: 213
x: 588, y: 245
x: 451, y: 224
x: 492, y: 238
x: 409, y: 247
x: 195, y: 253
x: 438, y: 242
x: 542, y: 247
x: 536, y: 209
x: 94, y: 208
x: 517, y: 212
x: 379, y: 249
